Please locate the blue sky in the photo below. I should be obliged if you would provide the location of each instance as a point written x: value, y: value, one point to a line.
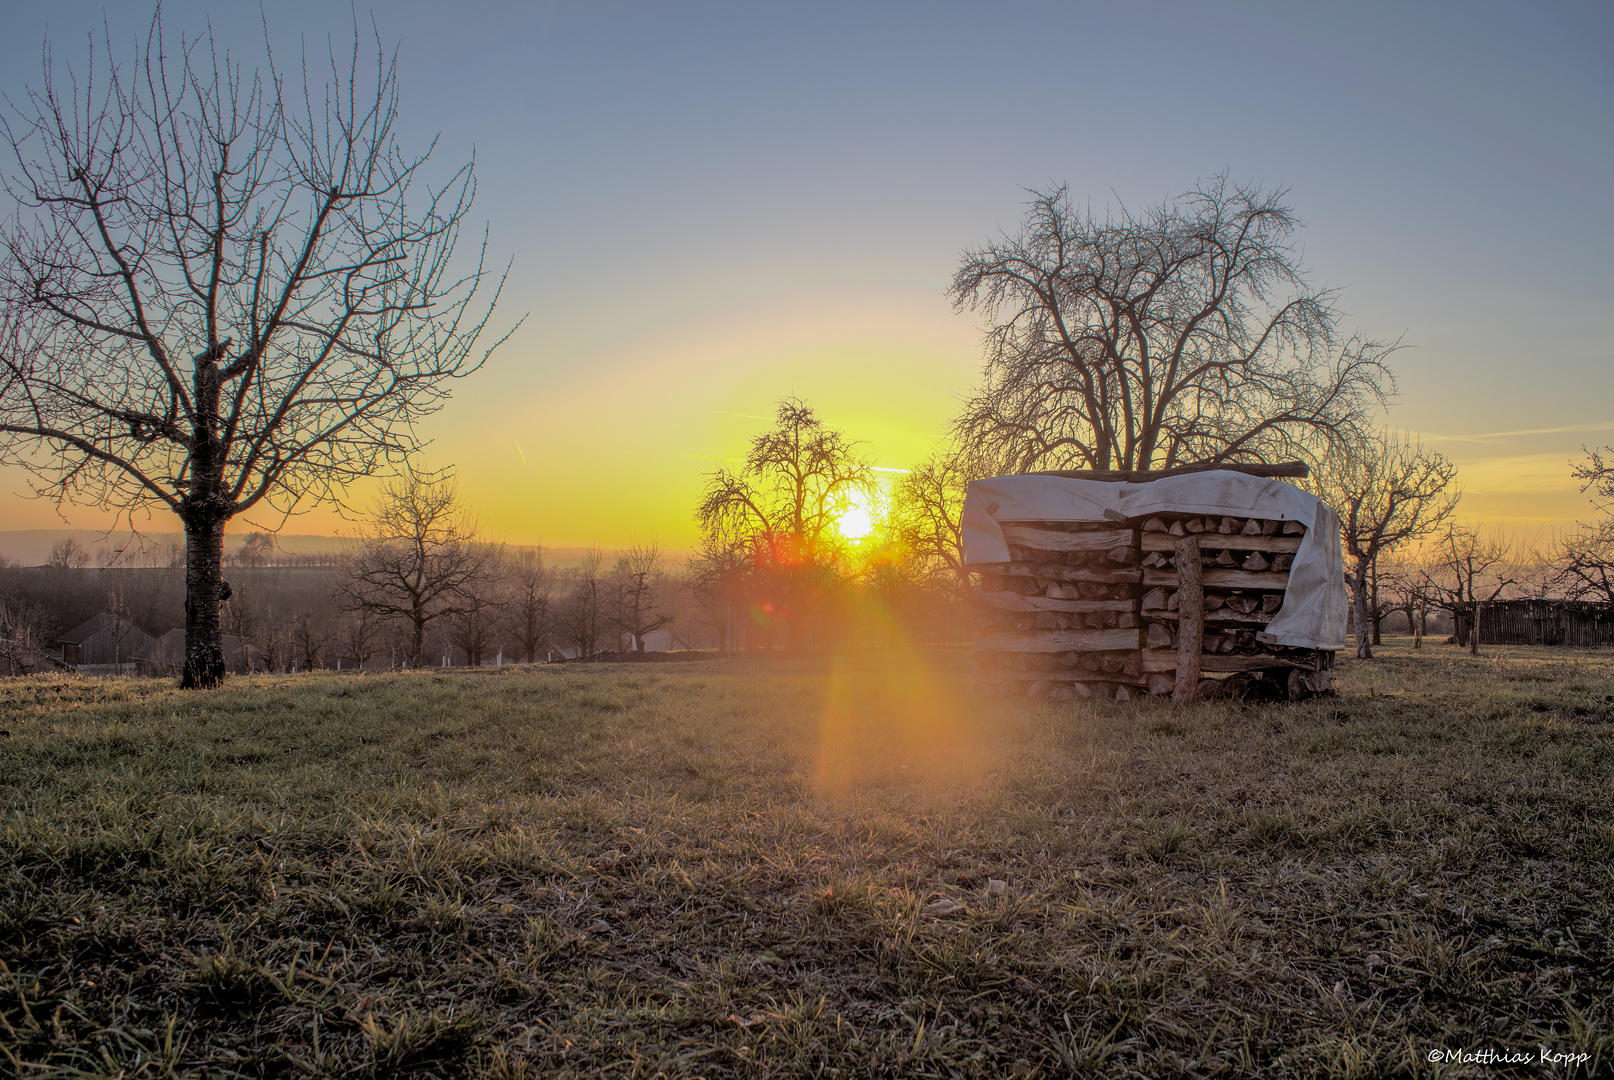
x: 711, y: 206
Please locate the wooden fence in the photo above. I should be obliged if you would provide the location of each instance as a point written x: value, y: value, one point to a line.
x: 1546, y: 622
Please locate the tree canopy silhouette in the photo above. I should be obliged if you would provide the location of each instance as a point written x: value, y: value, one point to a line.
x: 223, y: 291
x: 1184, y: 333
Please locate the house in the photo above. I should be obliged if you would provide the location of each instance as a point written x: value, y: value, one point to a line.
x: 166, y: 655
x: 107, y: 643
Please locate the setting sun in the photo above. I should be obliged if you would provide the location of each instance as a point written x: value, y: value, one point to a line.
x: 857, y: 520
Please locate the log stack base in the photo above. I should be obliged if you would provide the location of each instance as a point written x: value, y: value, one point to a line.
x: 1096, y: 610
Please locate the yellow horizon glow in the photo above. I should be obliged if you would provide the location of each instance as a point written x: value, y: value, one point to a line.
x: 606, y: 438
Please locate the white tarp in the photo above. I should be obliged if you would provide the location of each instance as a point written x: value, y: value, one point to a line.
x: 1313, y: 611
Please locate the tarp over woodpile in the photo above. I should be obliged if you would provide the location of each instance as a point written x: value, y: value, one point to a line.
x: 1313, y: 612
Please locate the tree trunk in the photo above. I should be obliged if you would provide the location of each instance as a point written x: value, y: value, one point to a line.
x: 1373, y: 595
x: 1473, y: 633
x: 1364, y: 651
x: 417, y: 640
x: 204, y: 583
x: 1418, y: 627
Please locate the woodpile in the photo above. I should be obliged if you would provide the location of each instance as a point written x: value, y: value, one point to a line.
x: 1167, y: 605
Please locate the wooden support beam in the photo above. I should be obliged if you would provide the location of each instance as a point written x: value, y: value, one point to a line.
x: 1220, y: 541
x: 1009, y: 601
x: 1061, y: 572
x: 1051, y: 540
x: 1214, y: 578
x: 1073, y: 675
x: 1191, y: 620
x: 1219, y: 617
x: 1056, y: 640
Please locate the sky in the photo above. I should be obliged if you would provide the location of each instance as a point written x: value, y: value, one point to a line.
x: 711, y: 206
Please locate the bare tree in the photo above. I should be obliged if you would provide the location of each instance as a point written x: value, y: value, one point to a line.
x: 22, y: 635
x: 583, y: 612
x: 419, y: 558
x: 1466, y: 570
x: 1584, y: 558
x: 1583, y: 561
x: 718, y: 580
x: 1185, y: 333
x: 782, y: 509
x: 531, y: 611
x: 68, y: 554
x: 257, y: 550
x: 223, y: 291
x: 638, y: 594
x: 1388, y: 491
x: 359, y: 635
x: 310, y: 635
x: 479, y: 606
x: 927, y: 507
x: 798, y: 478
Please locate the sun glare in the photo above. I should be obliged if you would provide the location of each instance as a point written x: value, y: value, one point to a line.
x: 857, y: 520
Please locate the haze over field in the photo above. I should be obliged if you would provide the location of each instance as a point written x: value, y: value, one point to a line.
x: 711, y: 207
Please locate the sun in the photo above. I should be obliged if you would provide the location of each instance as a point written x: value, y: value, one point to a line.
x: 857, y: 520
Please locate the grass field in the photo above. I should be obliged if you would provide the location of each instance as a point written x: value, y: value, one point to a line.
x: 829, y: 867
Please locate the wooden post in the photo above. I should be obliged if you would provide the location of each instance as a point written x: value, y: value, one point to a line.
x: 1190, y: 619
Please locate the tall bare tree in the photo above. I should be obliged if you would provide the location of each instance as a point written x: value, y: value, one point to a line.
x: 477, y: 620
x: 419, y: 558
x: 359, y: 636
x: 531, y: 610
x: 1466, y: 570
x: 223, y: 290
x: 1584, y: 558
x: 310, y: 635
x: 782, y: 508
x: 718, y: 579
x: 1388, y: 491
x: 1185, y: 333
x: 927, y: 507
x: 583, y: 612
x: 639, y: 594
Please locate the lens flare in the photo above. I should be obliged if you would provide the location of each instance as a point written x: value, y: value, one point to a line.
x: 892, y: 715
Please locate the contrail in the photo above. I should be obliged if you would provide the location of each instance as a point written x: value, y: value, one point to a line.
x: 1482, y: 436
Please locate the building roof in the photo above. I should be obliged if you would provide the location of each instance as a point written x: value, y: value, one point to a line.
x: 170, y: 648
x: 104, y: 621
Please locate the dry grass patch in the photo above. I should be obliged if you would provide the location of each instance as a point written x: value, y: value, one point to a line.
x: 843, y: 867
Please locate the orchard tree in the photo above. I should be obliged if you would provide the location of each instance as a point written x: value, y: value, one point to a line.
x: 531, y: 609
x: 639, y: 597
x: 1584, y: 559
x: 1466, y: 570
x: 1388, y: 491
x: 1184, y: 333
x: 782, y: 509
x: 223, y: 290
x: 584, y: 611
x: 927, y: 508
x: 420, y: 561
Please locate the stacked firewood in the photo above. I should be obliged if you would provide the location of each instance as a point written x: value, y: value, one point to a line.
x: 1094, y: 610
